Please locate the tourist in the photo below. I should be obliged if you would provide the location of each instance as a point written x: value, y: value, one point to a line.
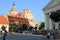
x: 48, y: 35
x: 4, y: 35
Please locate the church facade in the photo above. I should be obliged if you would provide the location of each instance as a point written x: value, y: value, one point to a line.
x: 19, y: 18
x: 52, y: 6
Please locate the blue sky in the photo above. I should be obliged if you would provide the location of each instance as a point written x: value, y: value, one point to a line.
x: 34, y: 5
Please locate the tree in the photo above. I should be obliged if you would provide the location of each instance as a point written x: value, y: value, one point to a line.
x: 31, y: 27
x: 3, y: 27
x: 35, y: 28
x: 55, y: 16
x: 14, y: 28
x: 24, y: 27
x: 42, y: 26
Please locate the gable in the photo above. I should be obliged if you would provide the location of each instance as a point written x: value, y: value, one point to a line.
x: 3, y: 20
x: 50, y: 5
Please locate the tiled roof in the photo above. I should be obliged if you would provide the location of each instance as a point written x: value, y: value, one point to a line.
x: 3, y: 20
x: 17, y: 15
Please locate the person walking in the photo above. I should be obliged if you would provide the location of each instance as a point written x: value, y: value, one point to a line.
x: 48, y: 35
x: 4, y: 35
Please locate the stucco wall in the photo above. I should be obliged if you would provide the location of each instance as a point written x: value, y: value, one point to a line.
x: 7, y: 27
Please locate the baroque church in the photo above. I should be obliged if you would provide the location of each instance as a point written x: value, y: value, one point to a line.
x: 13, y: 17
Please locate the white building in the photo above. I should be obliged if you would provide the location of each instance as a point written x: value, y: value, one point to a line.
x: 28, y: 14
x: 4, y: 22
x: 52, y: 6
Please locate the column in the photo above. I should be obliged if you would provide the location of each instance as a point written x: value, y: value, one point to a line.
x: 56, y: 25
x: 46, y: 21
x: 50, y: 22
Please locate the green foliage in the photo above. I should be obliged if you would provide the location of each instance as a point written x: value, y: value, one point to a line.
x: 42, y: 26
x: 31, y: 27
x: 14, y: 27
x: 55, y: 16
x: 35, y: 28
x: 3, y: 27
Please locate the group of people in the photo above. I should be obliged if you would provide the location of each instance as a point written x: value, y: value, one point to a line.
x: 48, y: 36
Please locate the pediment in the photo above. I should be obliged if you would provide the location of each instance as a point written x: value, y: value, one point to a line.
x: 50, y: 5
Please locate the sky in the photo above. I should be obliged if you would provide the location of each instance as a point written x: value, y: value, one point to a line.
x: 35, y: 6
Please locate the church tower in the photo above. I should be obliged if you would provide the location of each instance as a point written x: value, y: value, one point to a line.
x: 28, y: 14
x: 13, y: 11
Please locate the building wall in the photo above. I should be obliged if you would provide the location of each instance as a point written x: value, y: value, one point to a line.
x: 18, y: 20
x: 25, y: 17
x: 7, y: 27
x: 52, y: 6
x: 28, y: 14
x: 32, y: 23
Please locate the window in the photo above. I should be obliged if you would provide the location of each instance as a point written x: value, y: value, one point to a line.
x: 11, y: 20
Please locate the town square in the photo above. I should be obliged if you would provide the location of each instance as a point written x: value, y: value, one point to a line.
x: 30, y: 20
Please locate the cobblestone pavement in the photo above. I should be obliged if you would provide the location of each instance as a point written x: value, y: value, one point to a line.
x: 19, y: 36
x: 23, y: 37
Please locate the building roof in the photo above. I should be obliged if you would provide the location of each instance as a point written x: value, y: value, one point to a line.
x: 51, y: 4
x: 27, y: 11
x: 18, y: 15
x: 13, y: 8
x: 3, y: 20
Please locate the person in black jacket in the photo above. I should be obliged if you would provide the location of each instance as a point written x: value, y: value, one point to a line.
x: 4, y: 35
